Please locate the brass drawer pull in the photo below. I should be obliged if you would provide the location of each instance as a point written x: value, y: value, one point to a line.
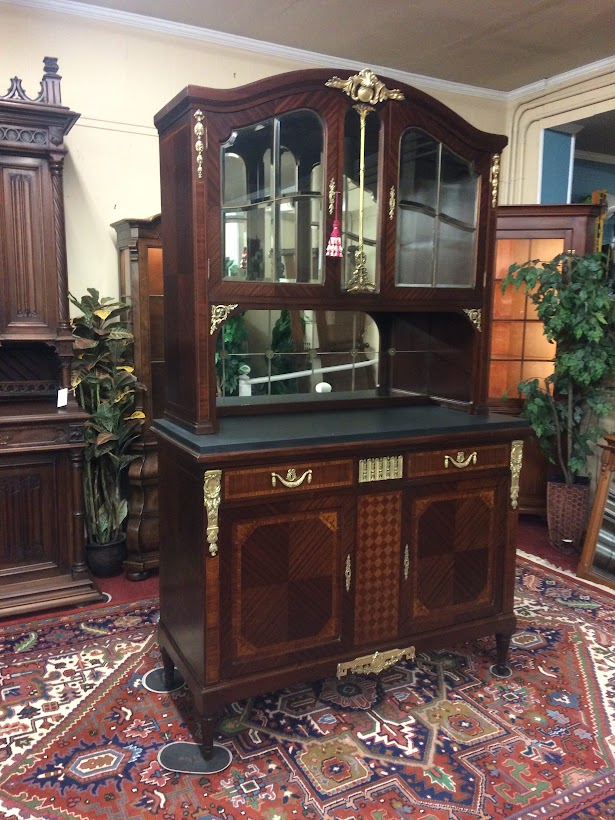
x: 377, y: 662
x: 460, y: 460
x: 291, y: 479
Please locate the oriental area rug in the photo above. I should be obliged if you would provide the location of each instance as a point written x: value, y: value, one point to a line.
x: 437, y: 738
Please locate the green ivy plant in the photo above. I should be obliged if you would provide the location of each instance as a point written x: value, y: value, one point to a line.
x: 105, y: 385
x: 575, y: 303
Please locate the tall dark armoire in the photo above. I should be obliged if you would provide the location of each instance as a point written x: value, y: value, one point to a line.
x: 42, y: 558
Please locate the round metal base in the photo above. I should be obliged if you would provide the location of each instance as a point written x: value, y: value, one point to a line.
x: 154, y: 680
x: 187, y: 758
x: 505, y: 673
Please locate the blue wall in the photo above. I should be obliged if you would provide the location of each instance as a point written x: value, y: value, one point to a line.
x: 556, y: 150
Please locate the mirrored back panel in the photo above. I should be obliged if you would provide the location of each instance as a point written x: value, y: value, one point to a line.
x: 270, y: 353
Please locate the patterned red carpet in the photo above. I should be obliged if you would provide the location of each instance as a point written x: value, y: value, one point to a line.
x: 439, y: 739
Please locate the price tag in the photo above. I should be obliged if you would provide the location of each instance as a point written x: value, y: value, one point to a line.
x: 63, y: 397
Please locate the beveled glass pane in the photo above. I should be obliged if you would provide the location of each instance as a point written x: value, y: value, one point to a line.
x: 418, y: 170
x: 504, y: 376
x: 536, y: 370
x: 537, y: 346
x: 455, y: 259
x: 415, y: 243
x: 507, y: 339
x: 458, y: 189
x: 543, y: 249
x: 417, y: 208
x: 301, y: 147
x: 248, y: 242
x: 508, y: 252
x: 298, y: 241
x: 508, y: 305
x: 246, y: 165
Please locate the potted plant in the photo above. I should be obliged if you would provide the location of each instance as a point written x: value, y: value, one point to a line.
x: 574, y: 302
x: 104, y: 385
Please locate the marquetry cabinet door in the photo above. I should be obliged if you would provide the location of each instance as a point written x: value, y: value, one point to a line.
x: 286, y: 575
x: 455, y: 548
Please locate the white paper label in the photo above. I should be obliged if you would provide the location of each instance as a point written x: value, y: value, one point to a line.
x: 63, y: 397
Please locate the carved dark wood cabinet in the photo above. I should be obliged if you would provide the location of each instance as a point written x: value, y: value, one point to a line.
x: 333, y: 492
x: 140, y: 267
x: 519, y: 349
x: 42, y: 562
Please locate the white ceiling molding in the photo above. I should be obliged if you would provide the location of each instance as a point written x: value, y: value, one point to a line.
x: 160, y: 26
x: 145, y: 23
x: 581, y: 73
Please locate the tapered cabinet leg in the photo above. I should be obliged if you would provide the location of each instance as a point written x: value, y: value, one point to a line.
x: 168, y: 667
x: 165, y: 678
x: 501, y: 669
x: 205, y: 757
x: 208, y: 724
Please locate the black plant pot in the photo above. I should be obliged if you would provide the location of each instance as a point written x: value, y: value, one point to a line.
x: 105, y: 560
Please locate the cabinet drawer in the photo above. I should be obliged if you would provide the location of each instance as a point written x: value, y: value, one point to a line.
x: 276, y: 479
x: 37, y: 436
x: 468, y: 460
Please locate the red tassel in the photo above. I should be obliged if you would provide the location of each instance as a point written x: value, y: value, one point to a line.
x: 334, y: 245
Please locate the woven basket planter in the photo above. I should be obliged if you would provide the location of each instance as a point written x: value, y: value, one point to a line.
x: 567, y: 512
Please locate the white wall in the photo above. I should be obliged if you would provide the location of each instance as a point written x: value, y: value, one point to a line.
x: 117, y: 77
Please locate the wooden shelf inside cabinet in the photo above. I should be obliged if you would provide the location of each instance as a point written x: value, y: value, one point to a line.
x: 519, y: 349
x: 42, y: 543
x: 309, y: 395
x: 141, y: 286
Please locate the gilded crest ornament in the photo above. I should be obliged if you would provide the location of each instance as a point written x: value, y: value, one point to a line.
x: 365, y: 87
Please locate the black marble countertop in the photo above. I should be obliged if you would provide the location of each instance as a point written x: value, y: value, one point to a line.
x: 323, y: 427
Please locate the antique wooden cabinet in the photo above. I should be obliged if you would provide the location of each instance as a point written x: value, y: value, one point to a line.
x: 333, y: 492
x: 140, y: 269
x: 519, y: 349
x: 42, y: 561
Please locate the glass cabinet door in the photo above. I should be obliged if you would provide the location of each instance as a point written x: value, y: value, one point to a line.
x: 519, y: 348
x: 272, y: 211
x: 436, y: 215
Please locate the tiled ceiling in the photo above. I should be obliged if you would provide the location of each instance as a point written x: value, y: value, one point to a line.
x: 493, y: 44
